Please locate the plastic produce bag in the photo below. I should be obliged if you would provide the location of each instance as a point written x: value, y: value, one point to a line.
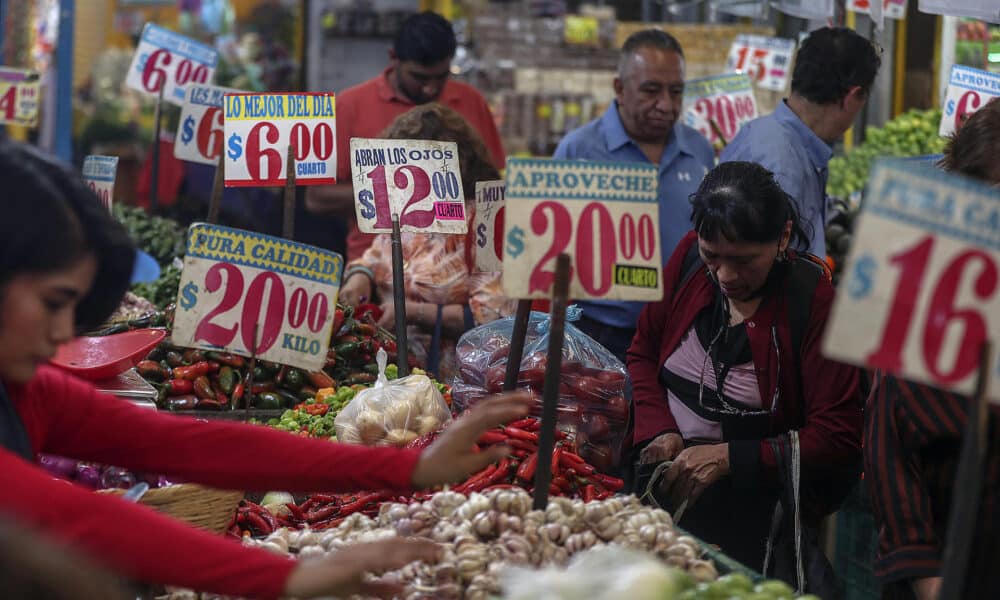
x: 595, y: 395
x: 392, y: 413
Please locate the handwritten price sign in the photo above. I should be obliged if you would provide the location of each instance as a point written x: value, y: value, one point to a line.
x: 968, y: 90
x: 200, y: 129
x: 766, y: 60
x: 20, y: 94
x: 99, y: 173
x: 260, y: 127
x: 604, y: 214
x: 418, y: 180
x: 922, y: 285
x: 237, y: 282
x: 726, y: 100
x: 891, y: 9
x: 490, y: 208
x: 165, y: 58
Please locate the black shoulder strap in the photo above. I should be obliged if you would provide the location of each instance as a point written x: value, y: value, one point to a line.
x: 804, y: 277
x: 689, y: 266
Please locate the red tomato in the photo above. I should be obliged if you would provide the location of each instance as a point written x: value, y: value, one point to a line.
x: 596, y: 426
x: 494, y: 378
x: 616, y: 408
x: 611, y: 376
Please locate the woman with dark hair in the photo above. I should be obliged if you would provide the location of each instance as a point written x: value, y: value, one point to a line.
x: 445, y: 296
x: 729, y: 383
x: 64, y: 265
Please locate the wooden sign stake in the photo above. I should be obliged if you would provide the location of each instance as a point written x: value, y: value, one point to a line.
x: 248, y: 393
x: 154, y: 175
x: 399, y: 300
x: 968, y: 487
x: 550, y: 393
x: 517, y: 344
x: 288, y: 228
x: 218, y: 185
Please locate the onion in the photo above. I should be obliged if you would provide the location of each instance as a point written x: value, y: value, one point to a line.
x: 117, y: 477
x: 88, y: 475
x: 59, y: 466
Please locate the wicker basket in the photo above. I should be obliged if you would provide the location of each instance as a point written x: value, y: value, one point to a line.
x: 207, y: 508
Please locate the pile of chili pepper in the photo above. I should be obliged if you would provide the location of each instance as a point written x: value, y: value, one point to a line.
x: 253, y: 520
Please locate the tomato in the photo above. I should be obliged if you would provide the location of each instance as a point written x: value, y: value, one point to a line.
x: 598, y: 455
x: 494, y: 378
x: 587, y: 389
x: 611, y: 376
x: 533, y: 378
x: 596, y: 426
x: 616, y: 408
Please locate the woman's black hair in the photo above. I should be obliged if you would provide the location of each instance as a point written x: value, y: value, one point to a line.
x: 742, y: 202
x: 51, y: 220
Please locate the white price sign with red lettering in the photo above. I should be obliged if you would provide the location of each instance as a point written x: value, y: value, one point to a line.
x: 20, y: 96
x: 165, y: 58
x: 726, y: 100
x: 488, y: 224
x: 237, y: 284
x: 605, y: 215
x: 921, y: 291
x: 417, y: 180
x: 260, y: 127
x: 99, y: 172
x: 968, y: 90
x: 200, y: 128
x: 891, y: 9
x: 766, y: 60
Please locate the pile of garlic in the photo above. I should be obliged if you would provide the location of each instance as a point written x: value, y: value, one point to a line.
x: 484, y: 533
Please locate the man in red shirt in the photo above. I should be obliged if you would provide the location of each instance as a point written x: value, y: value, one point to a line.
x: 418, y: 73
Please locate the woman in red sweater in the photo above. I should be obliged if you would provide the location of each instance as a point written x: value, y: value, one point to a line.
x: 64, y: 266
x: 729, y: 381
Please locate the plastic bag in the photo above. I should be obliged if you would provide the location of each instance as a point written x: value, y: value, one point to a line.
x: 595, y: 395
x: 392, y: 413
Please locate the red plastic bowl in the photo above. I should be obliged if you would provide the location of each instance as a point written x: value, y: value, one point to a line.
x: 97, y: 358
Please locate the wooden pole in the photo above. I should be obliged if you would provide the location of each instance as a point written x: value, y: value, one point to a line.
x: 288, y: 227
x: 964, y: 508
x: 517, y: 344
x: 154, y: 174
x: 218, y: 185
x: 399, y: 300
x: 550, y: 393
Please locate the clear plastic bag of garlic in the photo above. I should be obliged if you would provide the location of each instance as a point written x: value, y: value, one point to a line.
x: 483, y: 534
x: 392, y: 413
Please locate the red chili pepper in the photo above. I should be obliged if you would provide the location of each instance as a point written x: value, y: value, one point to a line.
x: 561, y: 435
x: 327, y: 524
x: 323, y: 513
x: 536, y: 425
x: 503, y: 486
x: 257, y: 521
x: 326, y: 498
x: 203, y: 388
x: 589, y: 493
x: 297, y: 513
x: 612, y: 483
x: 521, y: 453
x: 521, y: 445
x: 360, y: 503
x: 562, y: 483
x: 475, y: 478
x: 492, y: 437
x: 193, y: 372
x: 520, y: 434
x: 282, y: 373
x: 179, y: 387
x: 225, y: 358
x: 213, y: 366
x: 526, y: 471
x: 602, y: 494
x: 321, y: 380
x: 260, y: 388
x: 556, y: 453
x: 571, y: 458
x: 238, y: 391
x: 525, y: 423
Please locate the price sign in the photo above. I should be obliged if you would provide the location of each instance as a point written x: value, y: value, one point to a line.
x: 805, y: 9
x: 235, y: 282
x: 260, y: 127
x: 200, y: 128
x: 604, y: 214
x: 490, y: 208
x: 727, y: 100
x: 922, y: 286
x: 987, y: 10
x: 418, y: 180
x: 165, y: 58
x: 100, y: 172
x: 968, y: 90
x: 766, y: 60
x: 891, y: 9
x: 20, y: 94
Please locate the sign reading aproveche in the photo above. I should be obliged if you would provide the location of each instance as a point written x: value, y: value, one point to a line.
x: 490, y: 209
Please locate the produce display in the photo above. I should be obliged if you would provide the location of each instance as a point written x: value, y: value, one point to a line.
x: 163, y: 239
x: 593, y: 400
x: 163, y: 291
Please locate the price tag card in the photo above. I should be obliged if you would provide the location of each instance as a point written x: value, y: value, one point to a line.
x: 891, y: 9
x: 200, y: 128
x: 766, y: 60
x: 100, y: 172
x: 921, y: 290
x: 605, y: 215
x: 726, y: 100
x: 490, y: 207
x: 167, y: 58
x: 418, y: 180
x: 20, y: 95
x: 968, y: 90
x: 237, y: 282
x: 260, y: 127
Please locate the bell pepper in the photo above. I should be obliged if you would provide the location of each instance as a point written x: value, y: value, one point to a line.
x: 324, y: 393
x: 227, y: 379
x: 203, y: 388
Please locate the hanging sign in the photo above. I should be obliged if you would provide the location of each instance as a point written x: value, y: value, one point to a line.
x: 165, y: 58
x: 766, y: 60
x: 605, y: 215
x: 200, y: 128
x: 490, y: 208
x: 20, y: 96
x: 725, y: 100
x: 260, y: 127
x: 99, y: 172
x: 417, y: 180
x: 921, y: 290
x: 236, y: 283
x: 968, y: 90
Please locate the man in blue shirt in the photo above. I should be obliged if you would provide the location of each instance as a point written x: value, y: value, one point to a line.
x: 834, y: 71
x: 641, y: 125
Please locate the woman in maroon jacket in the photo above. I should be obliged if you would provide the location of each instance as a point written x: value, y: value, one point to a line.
x: 64, y: 264
x: 743, y: 309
